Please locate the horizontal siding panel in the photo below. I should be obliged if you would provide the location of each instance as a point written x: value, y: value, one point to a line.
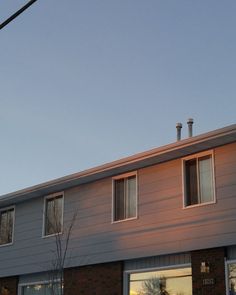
x: 158, y: 222
x: 226, y: 192
x: 25, y: 245
x: 160, y: 242
x: 226, y: 169
x: 160, y: 205
x: 99, y: 210
x: 157, y: 261
x: 160, y: 237
x: 225, y: 154
x: 160, y: 185
x: 226, y: 180
x: 160, y: 172
x: 146, y: 197
x: 90, y: 202
x: 29, y: 223
x: 32, y: 255
x: 91, y: 190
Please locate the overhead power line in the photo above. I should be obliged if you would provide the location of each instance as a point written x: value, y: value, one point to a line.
x: 17, y: 13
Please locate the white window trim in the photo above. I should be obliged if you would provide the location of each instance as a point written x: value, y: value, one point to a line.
x: 128, y: 272
x: 125, y: 175
x: 194, y: 156
x: 13, y: 224
x: 227, y: 262
x: 20, y: 286
x: 52, y: 196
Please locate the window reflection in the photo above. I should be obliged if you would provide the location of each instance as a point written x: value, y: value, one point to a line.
x: 53, y: 215
x: 125, y: 194
x: 164, y: 282
x: 41, y: 289
x: 232, y: 278
x: 6, y: 226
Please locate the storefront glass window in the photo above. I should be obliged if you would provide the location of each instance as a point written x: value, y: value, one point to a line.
x: 41, y: 289
x: 161, y: 282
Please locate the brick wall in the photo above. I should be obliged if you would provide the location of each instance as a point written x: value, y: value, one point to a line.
x: 212, y: 283
x: 8, y: 286
x: 100, y: 279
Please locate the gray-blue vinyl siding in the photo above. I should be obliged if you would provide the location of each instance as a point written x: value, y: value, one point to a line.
x: 162, y: 227
x: 157, y: 261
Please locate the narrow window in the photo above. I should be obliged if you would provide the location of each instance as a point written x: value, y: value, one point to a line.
x: 191, y: 182
x: 231, y: 278
x: 53, y: 215
x: 125, y: 196
x: 6, y: 226
x: 199, y: 181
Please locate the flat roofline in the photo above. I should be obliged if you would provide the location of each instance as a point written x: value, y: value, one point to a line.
x: 154, y: 156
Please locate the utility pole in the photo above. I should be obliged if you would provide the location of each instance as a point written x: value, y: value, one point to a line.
x: 17, y: 13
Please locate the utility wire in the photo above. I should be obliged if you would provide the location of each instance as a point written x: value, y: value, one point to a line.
x: 17, y: 13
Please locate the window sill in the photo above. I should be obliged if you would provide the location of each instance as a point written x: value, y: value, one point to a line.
x: 123, y: 220
x: 52, y: 235
x: 199, y: 205
x: 5, y: 245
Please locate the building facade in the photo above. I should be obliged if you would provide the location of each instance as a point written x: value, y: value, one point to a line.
x: 160, y: 222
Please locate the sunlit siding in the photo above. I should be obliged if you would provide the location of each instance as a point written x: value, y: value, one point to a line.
x: 163, y: 226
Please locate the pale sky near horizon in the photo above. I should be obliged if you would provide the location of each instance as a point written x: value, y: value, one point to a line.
x: 86, y: 82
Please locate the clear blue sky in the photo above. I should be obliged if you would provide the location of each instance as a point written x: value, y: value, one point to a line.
x: 85, y: 82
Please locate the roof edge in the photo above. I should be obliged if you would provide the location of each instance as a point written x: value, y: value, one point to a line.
x: 225, y: 131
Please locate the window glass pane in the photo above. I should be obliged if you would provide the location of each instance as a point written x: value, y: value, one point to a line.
x: 205, y: 179
x: 10, y: 224
x: 3, y: 228
x: 6, y: 226
x: 131, y: 197
x: 199, y: 180
x: 167, y: 282
x: 119, y: 199
x: 232, y: 278
x: 191, y: 182
x: 53, y: 215
x: 34, y: 289
x: 125, y: 198
x: 41, y: 289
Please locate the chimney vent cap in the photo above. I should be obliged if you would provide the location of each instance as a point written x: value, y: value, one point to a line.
x: 179, y: 125
x: 190, y: 121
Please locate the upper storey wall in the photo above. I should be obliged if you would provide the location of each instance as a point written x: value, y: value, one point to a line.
x: 163, y: 226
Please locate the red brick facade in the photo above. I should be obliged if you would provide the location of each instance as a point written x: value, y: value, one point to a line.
x: 101, y: 279
x: 107, y: 278
x: 8, y: 286
x: 212, y: 283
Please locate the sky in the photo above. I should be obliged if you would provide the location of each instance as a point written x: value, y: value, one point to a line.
x: 86, y: 82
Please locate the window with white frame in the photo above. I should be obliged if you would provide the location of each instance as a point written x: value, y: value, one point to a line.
x: 170, y: 281
x: 125, y: 197
x: 6, y: 225
x: 53, y: 214
x: 199, y: 179
x: 44, y: 288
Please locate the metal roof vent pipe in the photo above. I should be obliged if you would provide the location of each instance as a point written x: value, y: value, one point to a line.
x: 190, y: 127
x: 178, y: 128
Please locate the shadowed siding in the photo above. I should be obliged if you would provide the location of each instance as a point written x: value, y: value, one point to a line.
x: 231, y: 253
x: 163, y: 226
x: 157, y: 261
